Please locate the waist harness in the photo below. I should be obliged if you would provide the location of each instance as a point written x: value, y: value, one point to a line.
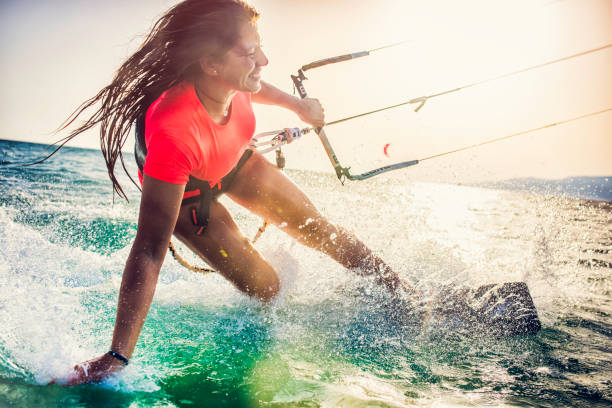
x: 198, y: 193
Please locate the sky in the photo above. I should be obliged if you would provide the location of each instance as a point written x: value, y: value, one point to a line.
x: 56, y: 54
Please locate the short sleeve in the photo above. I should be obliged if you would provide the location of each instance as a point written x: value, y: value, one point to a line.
x: 168, y: 159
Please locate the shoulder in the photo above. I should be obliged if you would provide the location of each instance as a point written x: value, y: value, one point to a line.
x: 173, y: 105
x: 169, y: 136
x: 170, y: 118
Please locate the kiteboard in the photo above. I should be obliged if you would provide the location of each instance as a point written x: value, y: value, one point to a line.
x: 499, y: 310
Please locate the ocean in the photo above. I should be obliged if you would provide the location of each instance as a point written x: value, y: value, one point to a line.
x: 326, y: 341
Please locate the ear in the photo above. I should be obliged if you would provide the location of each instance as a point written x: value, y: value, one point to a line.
x: 209, y: 66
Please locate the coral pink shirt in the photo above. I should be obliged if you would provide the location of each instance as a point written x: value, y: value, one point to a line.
x: 183, y: 140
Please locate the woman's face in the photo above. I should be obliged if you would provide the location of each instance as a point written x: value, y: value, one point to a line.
x: 241, y: 67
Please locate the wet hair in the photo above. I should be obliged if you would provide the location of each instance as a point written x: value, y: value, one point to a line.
x: 169, y: 55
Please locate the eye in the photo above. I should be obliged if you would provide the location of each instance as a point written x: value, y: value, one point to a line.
x: 253, y: 52
x: 249, y: 53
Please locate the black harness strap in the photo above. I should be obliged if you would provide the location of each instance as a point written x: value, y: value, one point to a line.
x: 204, y: 196
x: 207, y: 194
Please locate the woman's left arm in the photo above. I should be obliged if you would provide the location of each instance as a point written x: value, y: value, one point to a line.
x: 308, y: 109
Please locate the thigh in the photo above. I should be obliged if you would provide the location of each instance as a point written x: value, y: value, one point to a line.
x: 227, y: 250
x: 264, y: 190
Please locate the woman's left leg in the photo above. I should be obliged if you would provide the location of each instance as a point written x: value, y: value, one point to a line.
x: 263, y: 189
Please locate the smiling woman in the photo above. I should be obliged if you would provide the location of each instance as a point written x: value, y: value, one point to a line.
x: 63, y: 247
x: 189, y: 90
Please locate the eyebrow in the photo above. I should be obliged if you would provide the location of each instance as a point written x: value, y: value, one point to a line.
x: 250, y: 46
x: 256, y: 43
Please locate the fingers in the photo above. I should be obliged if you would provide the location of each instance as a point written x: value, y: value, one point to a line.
x: 90, y: 371
x: 312, y: 112
x: 318, y: 113
x: 79, y: 375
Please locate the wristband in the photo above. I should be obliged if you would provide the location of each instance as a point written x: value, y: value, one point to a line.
x: 118, y: 356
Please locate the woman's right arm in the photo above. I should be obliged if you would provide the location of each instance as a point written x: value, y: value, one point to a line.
x: 159, y: 210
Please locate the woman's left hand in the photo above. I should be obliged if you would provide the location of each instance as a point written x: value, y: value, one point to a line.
x: 311, y: 111
x: 94, y: 370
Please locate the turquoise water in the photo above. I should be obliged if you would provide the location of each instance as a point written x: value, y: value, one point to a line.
x: 328, y: 340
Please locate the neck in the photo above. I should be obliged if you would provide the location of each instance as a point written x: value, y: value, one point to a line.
x: 215, y: 98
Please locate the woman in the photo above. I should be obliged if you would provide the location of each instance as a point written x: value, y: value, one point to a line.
x: 193, y: 81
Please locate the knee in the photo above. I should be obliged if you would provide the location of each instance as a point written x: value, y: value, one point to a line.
x: 269, y: 292
x: 264, y: 288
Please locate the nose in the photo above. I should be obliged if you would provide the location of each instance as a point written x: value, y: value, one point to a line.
x: 261, y: 60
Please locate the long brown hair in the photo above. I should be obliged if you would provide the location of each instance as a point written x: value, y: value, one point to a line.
x: 170, y: 54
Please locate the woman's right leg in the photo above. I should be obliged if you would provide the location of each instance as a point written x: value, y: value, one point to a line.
x: 263, y: 189
x: 227, y: 250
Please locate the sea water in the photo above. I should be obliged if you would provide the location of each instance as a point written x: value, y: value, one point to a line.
x: 327, y: 340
